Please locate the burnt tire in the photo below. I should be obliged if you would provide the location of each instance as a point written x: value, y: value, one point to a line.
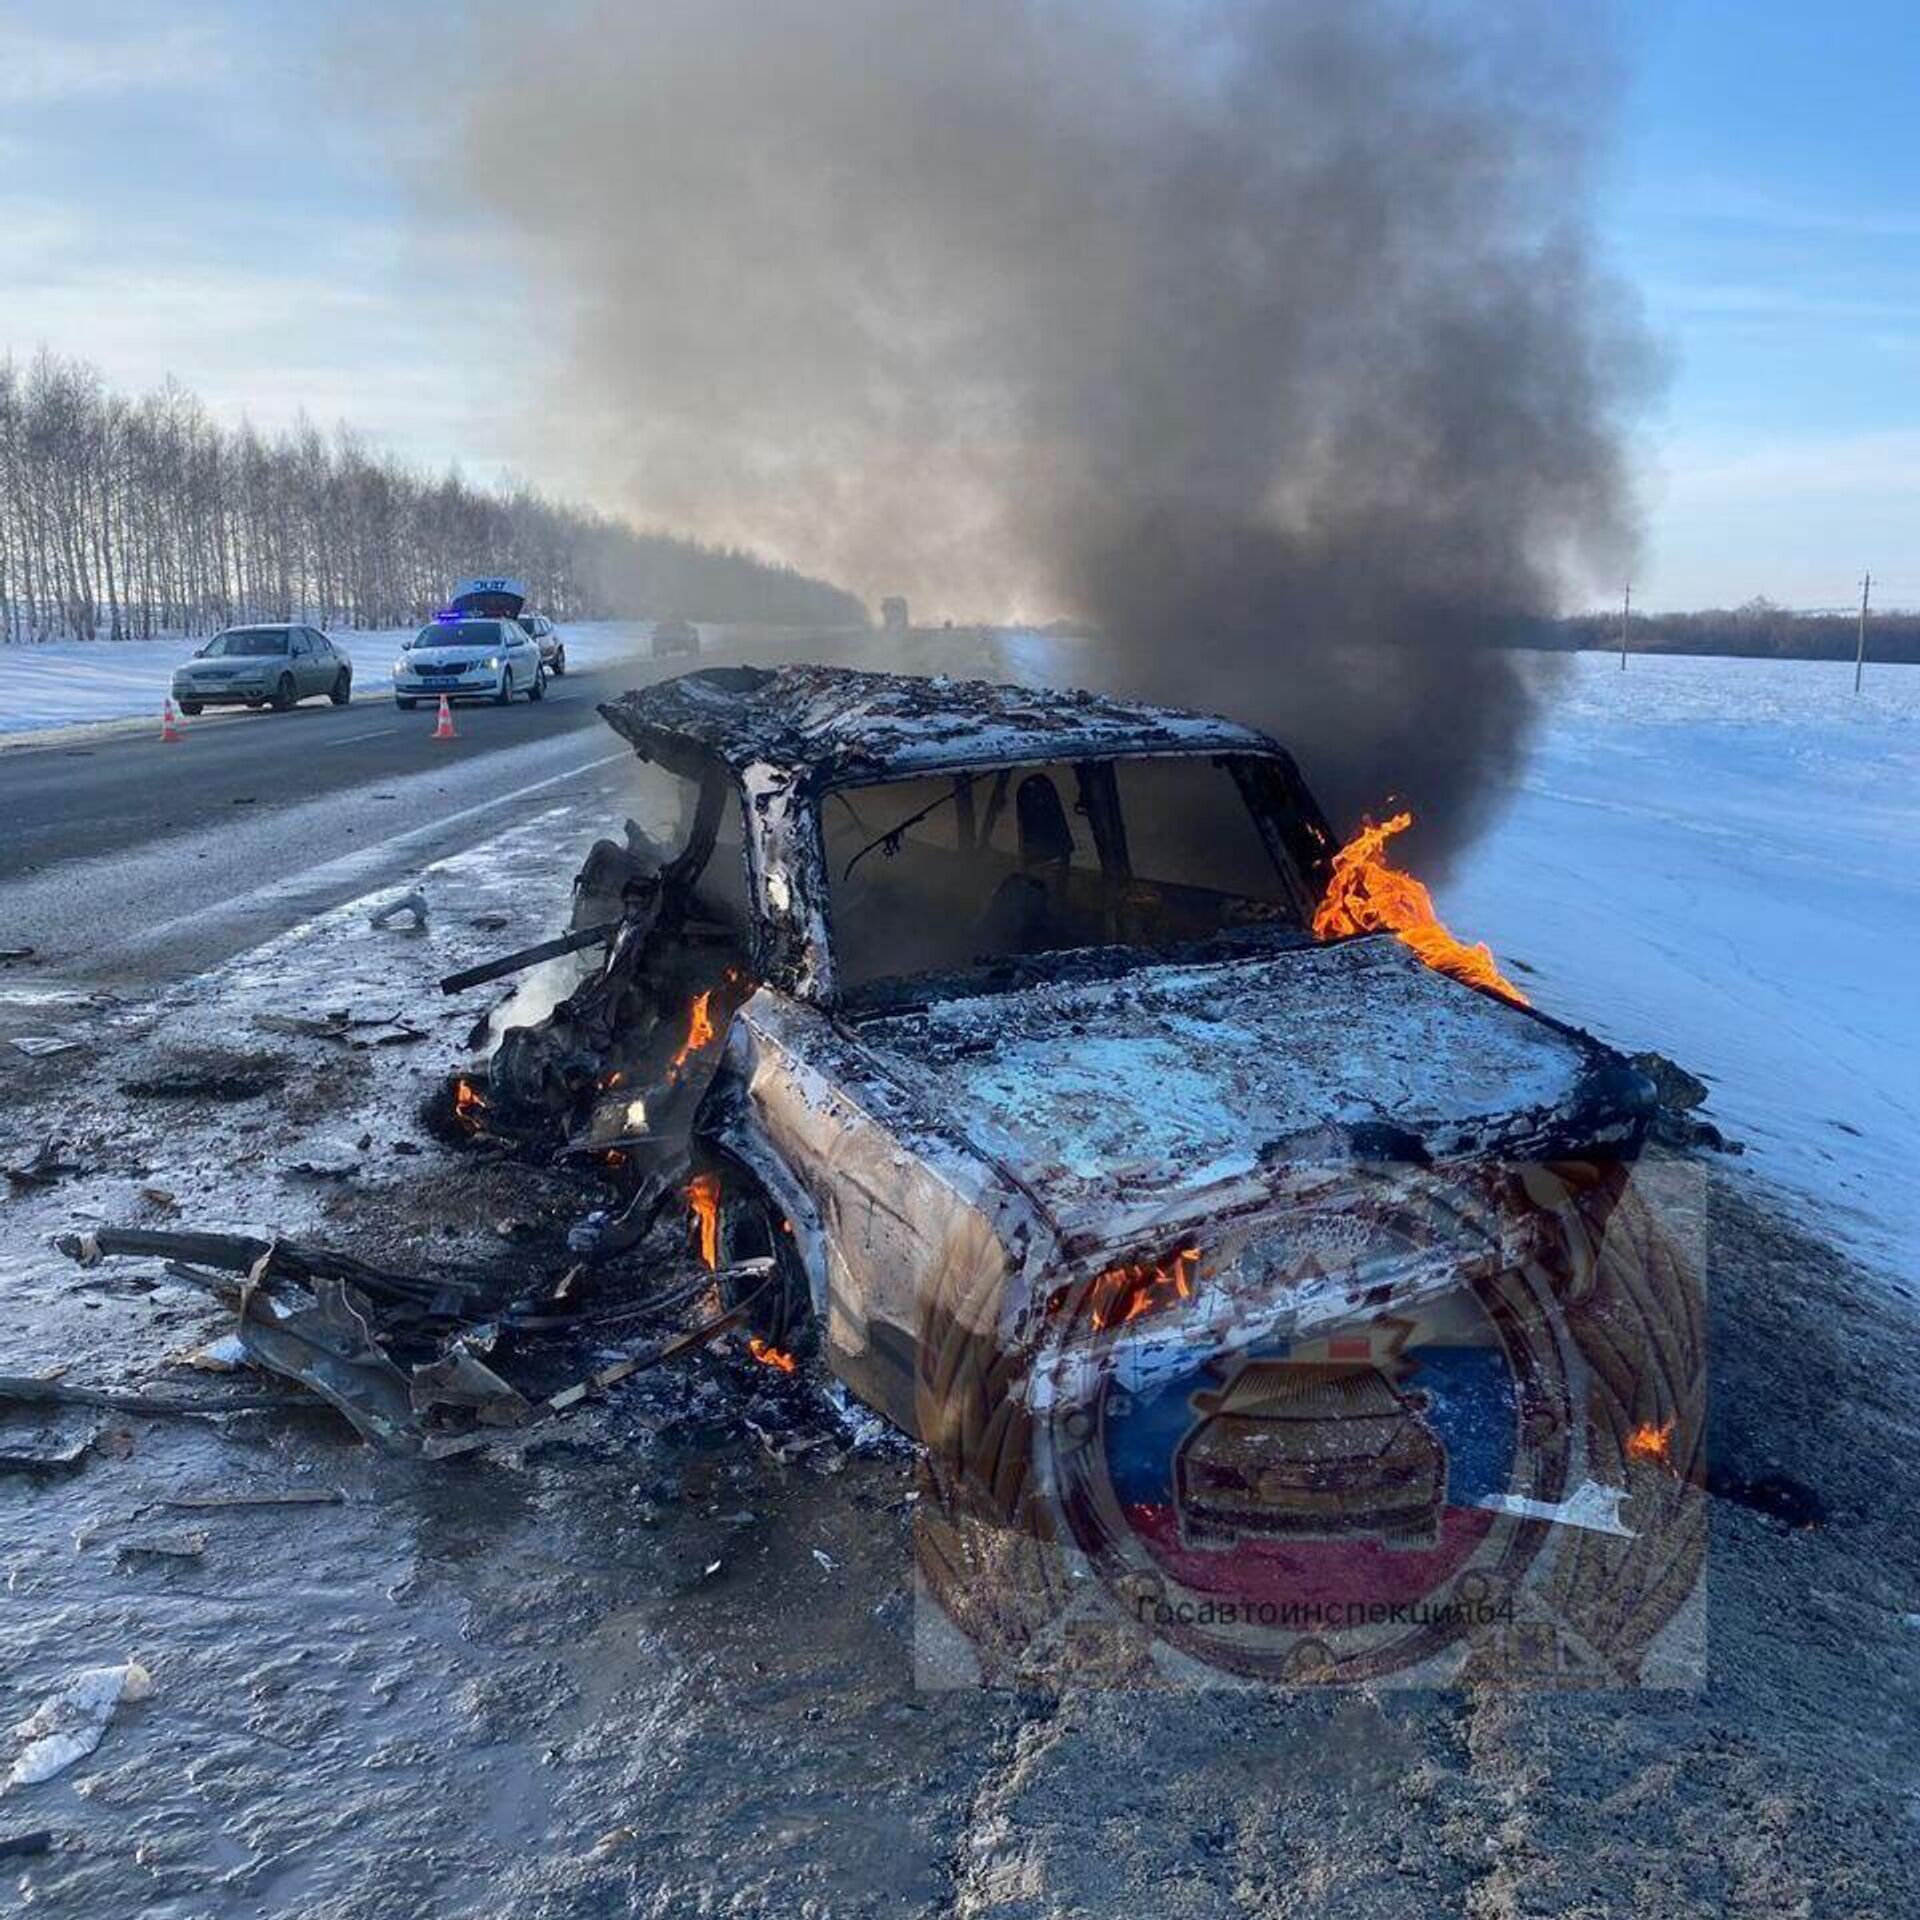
x: 752, y: 1228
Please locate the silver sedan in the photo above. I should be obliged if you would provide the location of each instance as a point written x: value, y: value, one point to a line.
x: 276, y: 666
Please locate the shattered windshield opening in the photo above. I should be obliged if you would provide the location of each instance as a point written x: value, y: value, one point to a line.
x: 942, y: 873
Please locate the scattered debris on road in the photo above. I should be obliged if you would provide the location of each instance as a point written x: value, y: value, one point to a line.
x: 171, y: 1547
x: 46, y: 1166
x: 264, y: 1497
x: 40, y: 1046
x: 211, y: 1075
x: 68, y: 1725
x: 412, y: 906
x: 55, y: 1454
x: 18, y: 1391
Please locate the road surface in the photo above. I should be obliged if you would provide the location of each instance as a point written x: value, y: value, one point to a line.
x: 129, y: 862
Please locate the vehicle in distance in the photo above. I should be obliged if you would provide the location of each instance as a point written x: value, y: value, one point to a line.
x: 469, y: 660
x: 276, y: 665
x: 546, y: 636
x: 674, y: 637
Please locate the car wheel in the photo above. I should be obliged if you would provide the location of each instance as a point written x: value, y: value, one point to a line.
x: 560, y: 664
x: 505, y: 693
x: 405, y: 706
x: 538, y: 691
x: 191, y: 708
x: 750, y: 1228
x: 284, y: 695
x: 342, y: 689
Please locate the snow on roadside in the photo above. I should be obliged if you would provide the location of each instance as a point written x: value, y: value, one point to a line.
x: 69, y: 683
x: 1720, y: 859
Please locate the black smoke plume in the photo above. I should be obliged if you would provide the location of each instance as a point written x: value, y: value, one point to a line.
x: 1265, y: 338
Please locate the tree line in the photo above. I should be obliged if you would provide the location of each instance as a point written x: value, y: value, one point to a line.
x: 1756, y: 630
x: 128, y: 518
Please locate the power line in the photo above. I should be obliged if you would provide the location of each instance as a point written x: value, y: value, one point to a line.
x: 1860, y: 650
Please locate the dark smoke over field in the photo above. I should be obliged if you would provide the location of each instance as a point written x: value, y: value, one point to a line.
x: 1262, y: 337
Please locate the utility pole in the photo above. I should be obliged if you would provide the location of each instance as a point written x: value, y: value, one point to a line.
x: 1626, y: 614
x: 1860, y: 649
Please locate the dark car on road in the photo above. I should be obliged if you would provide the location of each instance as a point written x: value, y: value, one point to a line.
x: 675, y: 637
x: 278, y: 665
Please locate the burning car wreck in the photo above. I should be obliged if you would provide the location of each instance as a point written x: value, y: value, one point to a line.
x: 1006, y: 1025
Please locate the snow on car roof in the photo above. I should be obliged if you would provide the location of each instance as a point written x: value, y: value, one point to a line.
x: 852, y: 725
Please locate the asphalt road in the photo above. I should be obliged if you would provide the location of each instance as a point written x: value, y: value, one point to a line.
x: 126, y: 863
x: 115, y: 790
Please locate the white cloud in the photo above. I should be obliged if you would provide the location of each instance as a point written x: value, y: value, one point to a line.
x: 39, y: 68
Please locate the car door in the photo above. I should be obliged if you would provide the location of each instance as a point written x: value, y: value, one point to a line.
x: 313, y: 668
x: 300, y: 661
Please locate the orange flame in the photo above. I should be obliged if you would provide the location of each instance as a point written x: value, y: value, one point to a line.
x: 771, y: 1356
x: 469, y: 1105
x: 1125, y: 1292
x: 1648, y: 1442
x: 699, y: 1031
x: 1367, y: 895
x: 703, y: 1207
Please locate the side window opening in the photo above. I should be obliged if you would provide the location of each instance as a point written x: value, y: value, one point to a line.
x: 937, y: 874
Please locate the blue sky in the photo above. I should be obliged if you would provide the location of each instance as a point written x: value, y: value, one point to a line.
x: 190, y: 190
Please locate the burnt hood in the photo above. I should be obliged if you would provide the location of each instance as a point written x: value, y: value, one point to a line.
x: 1170, y: 1082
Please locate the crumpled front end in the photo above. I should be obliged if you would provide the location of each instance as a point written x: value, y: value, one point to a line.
x: 908, y: 1240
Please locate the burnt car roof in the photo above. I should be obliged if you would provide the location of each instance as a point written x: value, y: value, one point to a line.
x: 848, y: 725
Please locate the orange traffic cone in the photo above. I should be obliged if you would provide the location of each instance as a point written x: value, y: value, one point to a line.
x: 170, y: 734
x: 444, y: 729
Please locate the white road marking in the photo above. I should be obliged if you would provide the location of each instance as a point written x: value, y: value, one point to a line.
x: 375, y: 733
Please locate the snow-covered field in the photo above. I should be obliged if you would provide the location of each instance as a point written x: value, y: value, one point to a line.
x: 76, y: 682
x: 1720, y: 859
